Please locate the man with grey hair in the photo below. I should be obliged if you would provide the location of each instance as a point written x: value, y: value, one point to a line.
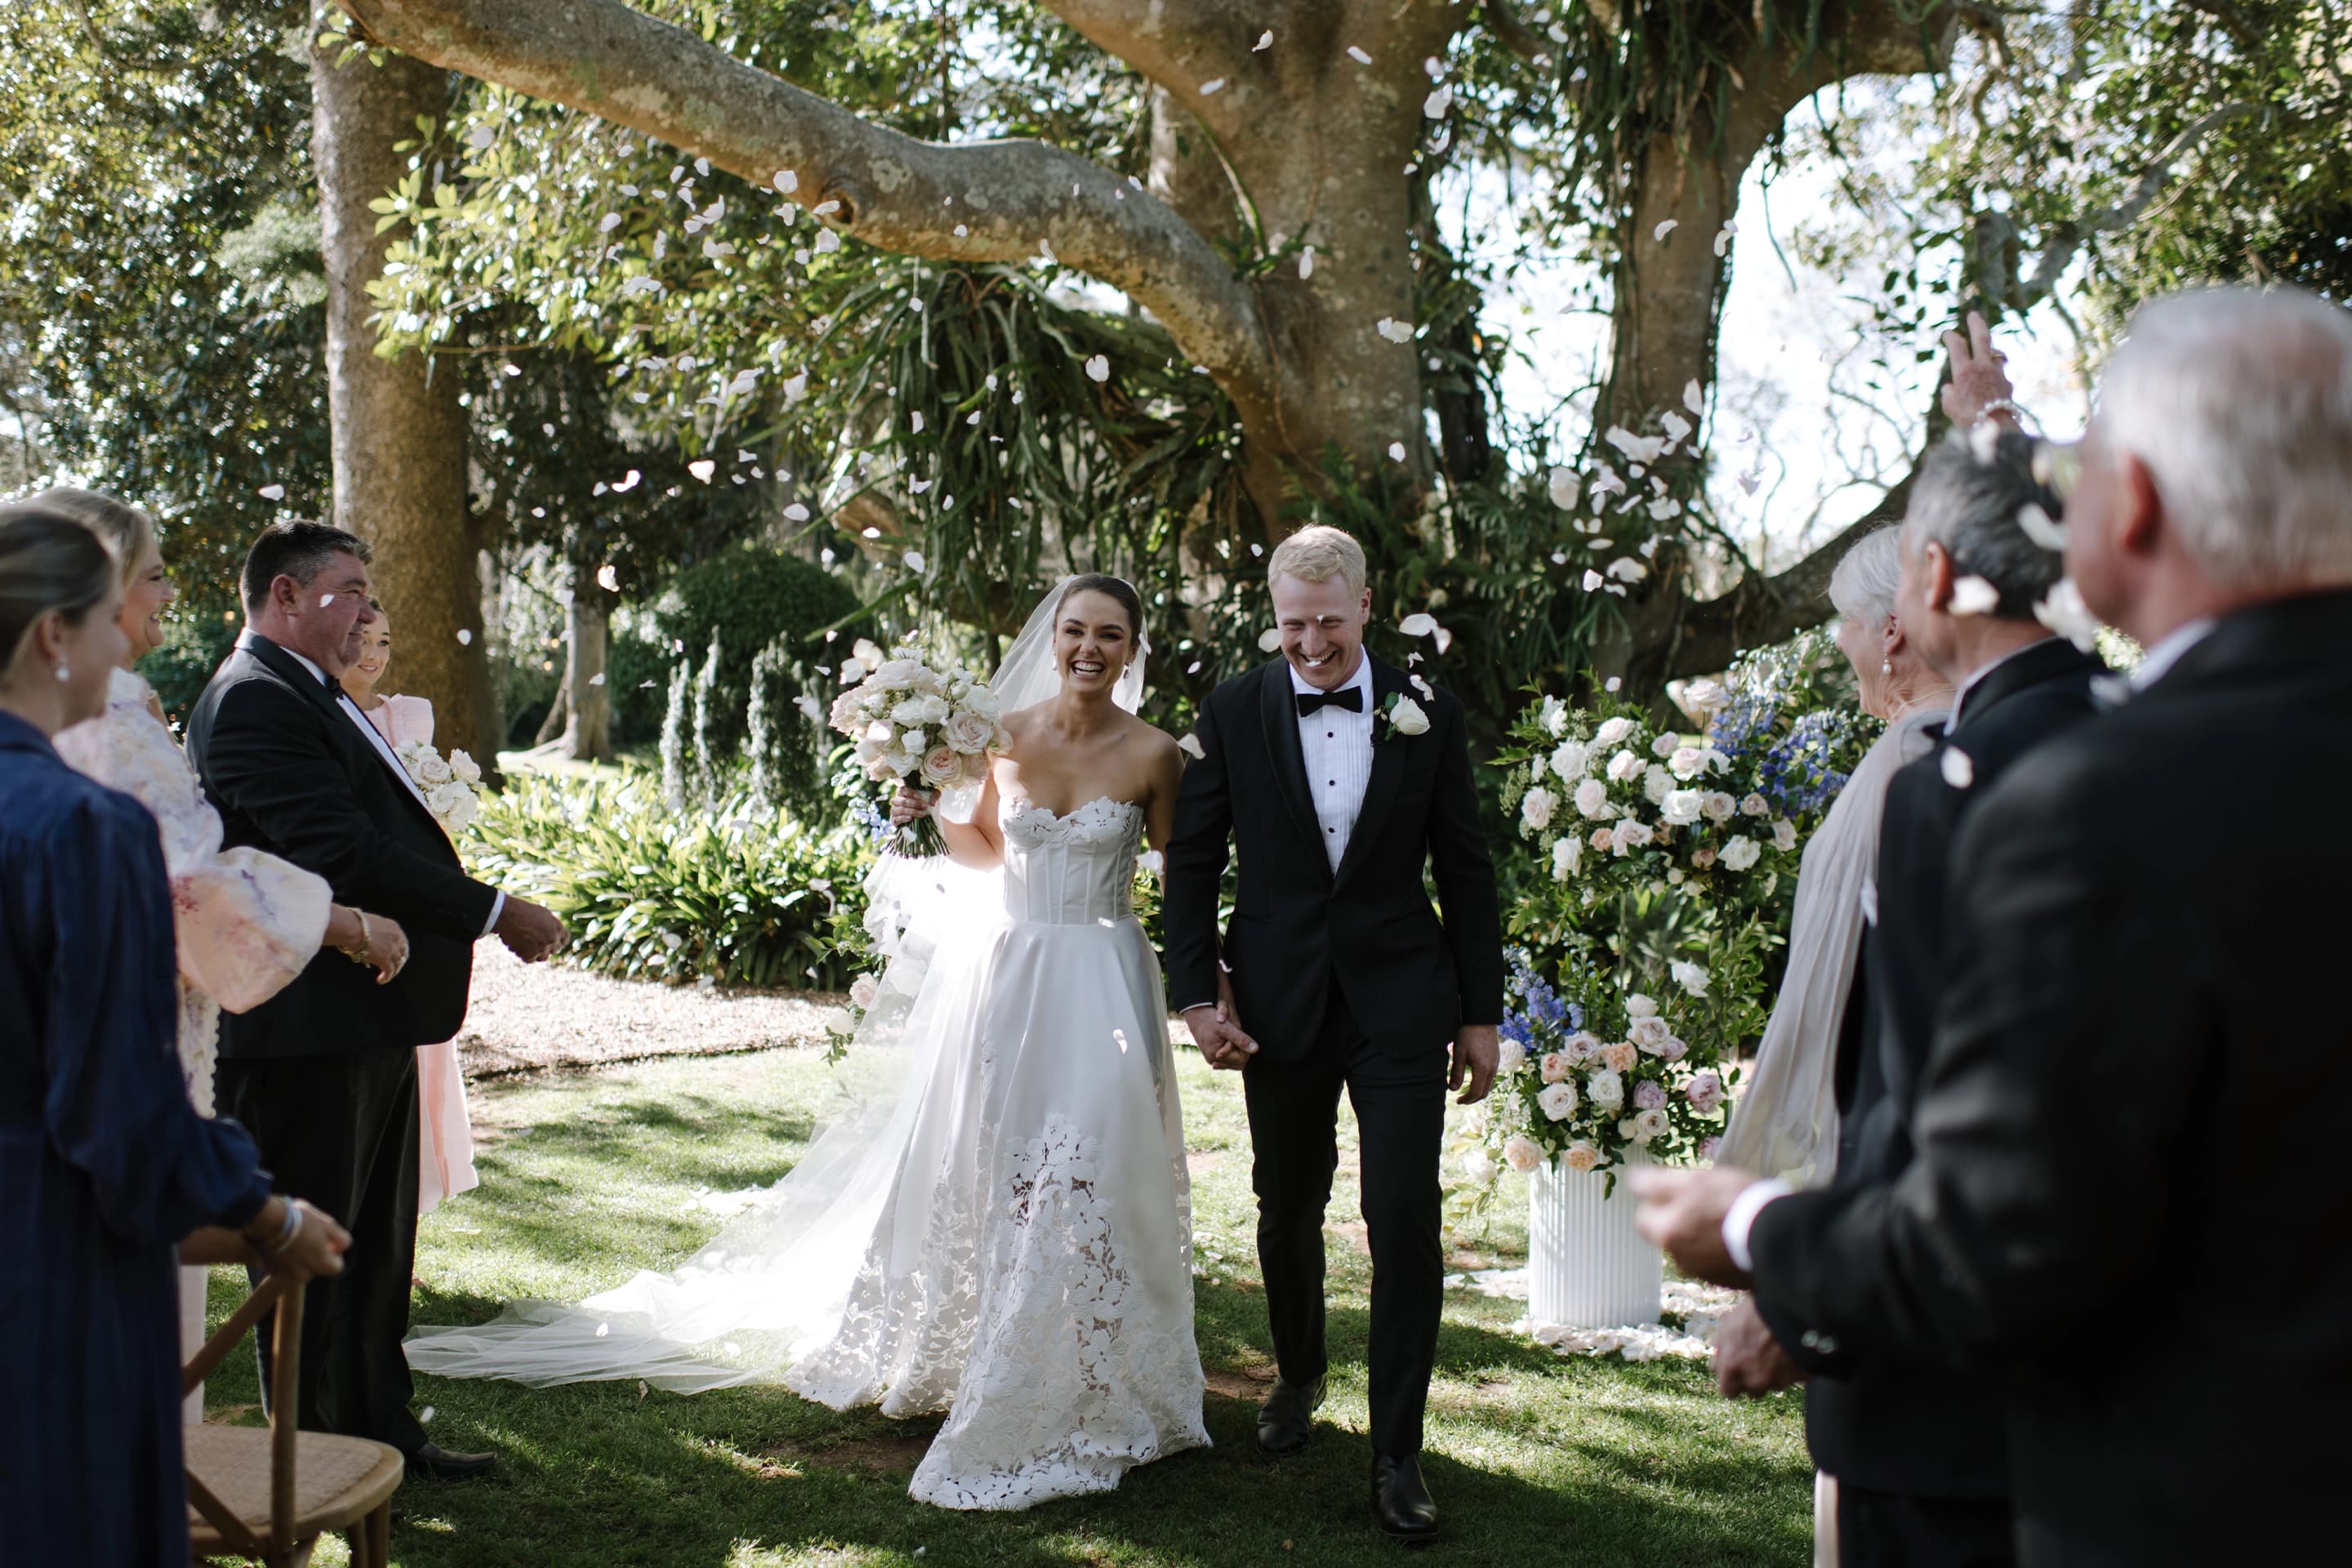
x: 2103, y: 1117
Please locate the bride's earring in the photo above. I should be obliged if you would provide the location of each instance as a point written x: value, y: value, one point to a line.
x: 1885, y: 666
x: 63, y: 674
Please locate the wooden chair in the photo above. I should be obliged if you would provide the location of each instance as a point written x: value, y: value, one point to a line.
x: 268, y: 1494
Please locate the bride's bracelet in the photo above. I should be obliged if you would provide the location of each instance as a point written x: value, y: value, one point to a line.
x: 363, y: 954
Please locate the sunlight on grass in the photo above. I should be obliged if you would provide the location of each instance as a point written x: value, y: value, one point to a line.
x: 589, y: 1177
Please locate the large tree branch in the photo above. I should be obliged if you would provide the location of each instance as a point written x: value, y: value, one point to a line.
x: 991, y: 201
x: 2066, y: 239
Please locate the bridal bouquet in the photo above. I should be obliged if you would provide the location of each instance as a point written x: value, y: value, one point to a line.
x: 445, y: 783
x: 927, y: 728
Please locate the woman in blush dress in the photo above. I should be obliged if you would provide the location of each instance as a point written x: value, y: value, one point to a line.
x: 244, y: 923
x: 444, y: 1127
x: 105, y: 1164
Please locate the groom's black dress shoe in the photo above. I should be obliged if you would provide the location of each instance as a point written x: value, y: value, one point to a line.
x: 1287, y: 1415
x: 1399, y: 1502
x: 436, y: 1464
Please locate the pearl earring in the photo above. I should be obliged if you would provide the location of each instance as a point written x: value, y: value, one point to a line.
x: 1885, y: 666
x: 63, y: 674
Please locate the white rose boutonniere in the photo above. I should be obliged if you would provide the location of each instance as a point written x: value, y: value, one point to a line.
x: 1404, y: 716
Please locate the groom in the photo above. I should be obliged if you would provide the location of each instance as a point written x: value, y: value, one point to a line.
x: 323, y: 1073
x: 1340, y: 780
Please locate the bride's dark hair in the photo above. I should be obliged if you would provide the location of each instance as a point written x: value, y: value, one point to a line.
x: 1117, y: 588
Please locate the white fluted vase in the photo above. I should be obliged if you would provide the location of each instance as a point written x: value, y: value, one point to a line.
x: 1588, y: 1267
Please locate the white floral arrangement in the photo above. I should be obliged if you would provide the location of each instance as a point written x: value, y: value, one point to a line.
x: 914, y: 724
x: 447, y: 784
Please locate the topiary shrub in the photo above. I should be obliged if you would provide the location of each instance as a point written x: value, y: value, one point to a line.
x: 747, y: 598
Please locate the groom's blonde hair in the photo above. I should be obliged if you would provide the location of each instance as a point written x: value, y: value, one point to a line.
x: 1318, y: 554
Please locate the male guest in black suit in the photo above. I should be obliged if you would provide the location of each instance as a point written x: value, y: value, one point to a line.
x: 324, y: 1074
x: 1338, y: 781
x: 1917, y: 1442
x: 2114, y: 1209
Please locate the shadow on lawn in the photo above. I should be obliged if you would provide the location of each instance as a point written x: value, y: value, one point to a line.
x: 602, y: 1473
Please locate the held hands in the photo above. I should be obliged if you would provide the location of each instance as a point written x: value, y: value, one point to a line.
x: 1218, y: 1034
x: 911, y: 804
x: 1682, y: 1215
x: 1478, y: 1052
x: 1749, y: 1362
x: 1979, y: 386
x: 531, y: 933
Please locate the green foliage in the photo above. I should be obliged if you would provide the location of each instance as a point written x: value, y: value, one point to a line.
x: 734, y: 894
x: 736, y: 606
x: 193, y: 645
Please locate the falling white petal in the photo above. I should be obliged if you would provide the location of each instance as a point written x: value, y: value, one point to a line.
x: 628, y: 481
x: 1974, y: 596
x: 608, y: 577
x: 1189, y: 744
x: 1665, y: 228
x: 1958, y: 771
x: 1396, y: 451
x: 787, y: 182
x: 1359, y: 56
x: 2040, y: 527
x: 1306, y: 263
x: 1419, y: 625
x: 1099, y: 367
x: 1723, y: 237
x: 2065, y: 613
x: 1269, y: 640
x: 1436, y: 104
x: 914, y: 561
x: 464, y: 639
x: 1265, y: 41
x: 702, y: 469
x: 1694, y: 399
x: 827, y: 242
x: 1565, y: 490
x: 1214, y: 84
x: 1396, y: 332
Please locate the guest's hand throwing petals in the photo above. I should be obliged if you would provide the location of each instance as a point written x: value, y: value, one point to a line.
x: 1682, y: 1215
x: 1979, y: 387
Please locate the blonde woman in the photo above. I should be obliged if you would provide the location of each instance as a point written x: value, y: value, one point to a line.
x: 445, y: 1128
x: 244, y: 923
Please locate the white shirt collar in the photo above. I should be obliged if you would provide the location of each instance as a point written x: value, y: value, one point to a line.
x: 2168, y: 651
x: 316, y: 673
x: 1960, y: 698
x: 1360, y: 681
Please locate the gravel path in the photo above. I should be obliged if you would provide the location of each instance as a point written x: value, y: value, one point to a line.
x: 546, y: 1017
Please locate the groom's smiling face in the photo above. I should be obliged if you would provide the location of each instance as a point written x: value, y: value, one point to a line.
x: 1322, y: 626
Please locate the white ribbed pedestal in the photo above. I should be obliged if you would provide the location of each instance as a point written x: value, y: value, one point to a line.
x: 1588, y: 1267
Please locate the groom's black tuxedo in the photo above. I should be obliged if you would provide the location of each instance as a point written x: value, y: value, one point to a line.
x: 324, y: 1073
x: 1911, y: 1426
x: 1298, y: 928
x: 2114, y: 1211
x: 1346, y: 978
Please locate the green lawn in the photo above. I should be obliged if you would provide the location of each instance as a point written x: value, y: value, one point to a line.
x: 1533, y: 1458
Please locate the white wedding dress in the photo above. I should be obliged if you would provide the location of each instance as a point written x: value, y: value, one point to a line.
x: 1000, y: 1228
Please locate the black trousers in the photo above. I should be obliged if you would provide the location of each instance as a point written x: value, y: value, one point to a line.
x: 1894, y: 1530
x: 1399, y: 1103
x: 341, y: 1130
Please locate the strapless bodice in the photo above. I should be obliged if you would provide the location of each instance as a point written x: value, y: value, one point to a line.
x: 1077, y: 869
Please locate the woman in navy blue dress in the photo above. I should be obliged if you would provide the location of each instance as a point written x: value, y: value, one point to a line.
x: 104, y: 1166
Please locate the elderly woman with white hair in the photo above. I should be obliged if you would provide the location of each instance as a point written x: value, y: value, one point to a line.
x: 1786, y: 1121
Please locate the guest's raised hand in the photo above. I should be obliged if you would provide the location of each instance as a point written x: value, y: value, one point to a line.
x: 1979, y: 387
x: 911, y: 804
x: 530, y: 933
x: 1749, y: 1362
x: 1682, y: 1215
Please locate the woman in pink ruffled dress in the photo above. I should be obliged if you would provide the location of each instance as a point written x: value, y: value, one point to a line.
x: 246, y: 923
x: 445, y: 1165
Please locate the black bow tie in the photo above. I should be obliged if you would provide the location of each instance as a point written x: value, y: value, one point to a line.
x: 1310, y: 702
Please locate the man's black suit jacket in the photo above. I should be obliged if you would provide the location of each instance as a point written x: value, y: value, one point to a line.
x: 1409, y: 980
x: 2121, y: 1205
x: 290, y: 773
x: 1921, y: 1427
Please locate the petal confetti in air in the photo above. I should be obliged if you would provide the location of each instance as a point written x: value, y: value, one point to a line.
x: 325, y: 599
x: 702, y: 469
x: 827, y: 241
x: 1592, y: 581
x: 1396, y: 451
x: 608, y: 222
x: 1265, y: 41
x: 1435, y: 106
x: 1045, y: 249
x: 914, y: 561
x: 1307, y: 264
x: 1098, y: 368
x: 1723, y: 237
x: 1359, y: 56
x: 628, y: 481
x: 914, y: 421
x: 608, y: 577
x: 273, y: 492
x: 797, y: 513
x: 1396, y: 332
x: 2065, y: 612
x: 1694, y: 399
x: 1674, y: 426
x: 1419, y: 625
x: 787, y: 182
x: 1958, y: 771
x: 2040, y: 527
x: 1269, y: 640
x: 1974, y: 596
x: 1665, y: 228
x: 1189, y: 744
x: 1564, y: 488
x: 1214, y: 84
x: 464, y: 639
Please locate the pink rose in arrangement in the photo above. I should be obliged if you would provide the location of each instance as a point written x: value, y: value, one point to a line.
x: 1649, y: 1095
x: 1706, y: 1092
x: 1555, y: 1067
x: 1707, y: 1150
x: 1581, y: 1156
x: 1619, y: 1058
x: 1521, y: 1154
x: 1581, y: 1046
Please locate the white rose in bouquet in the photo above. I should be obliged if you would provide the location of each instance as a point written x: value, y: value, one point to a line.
x: 1509, y: 1058
x: 1627, y: 835
x: 1638, y: 1006
x: 864, y: 991
x: 466, y: 769
x: 1754, y: 805
x: 1566, y: 855
x: 1553, y: 717
x: 942, y: 767
x: 1655, y: 783
x: 1580, y: 1155
x: 1717, y: 806
x: 434, y: 769
x: 1784, y: 835
x: 1684, y: 807
x: 1605, y: 1089
x: 1614, y: 730
x: 453, y: 805
x: 970, y: 731
x: 1649, y: 1124
x: 1571, y: 761
x: 1648, y: 1033
x: 1690, y: 976
x: 1555, y: 1067
x: 984, y: 702
x: 1625, y: 767
x: 898, y: 675
x: 1687, y: 762
x: 1535, y: 808
x: 915, y: 743
x: 1666, y: 746
x: 1521, y: 1154
x: 919, y: 712
x: 1592, y: 800
x: 1740, y: 852
x: 1557, y: 1100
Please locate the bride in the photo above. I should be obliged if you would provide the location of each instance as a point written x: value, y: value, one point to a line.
x: 999, y: 1227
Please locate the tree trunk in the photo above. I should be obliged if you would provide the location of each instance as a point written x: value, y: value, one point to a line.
x: 588, y: 731
x: 398, y: 431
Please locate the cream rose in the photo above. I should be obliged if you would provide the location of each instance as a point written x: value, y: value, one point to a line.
x: 1614, y: 730
x: 1592, y: 800
x: 1571, y: 761
x: 1566, y: 855
x: 1521, y: 1154
x: 1625, y: 767
x: 1600, y: 841
x: 465, y: 768
x: 432, y: 768
x: 1740, y: 852
x: 1649, y: 1124
x: 1557, y: 1100
x: 1408, y: 718
x: 1687, y: 762
x: 1581, y: 1156
x: 1666, y: 746
x: 968, y: 731
x: 1555, y: 1067
x: 865, y: 990
x: 1536, y: 807
x: 1690, y: 976
x: 1581, y: 1046
x: 1639, y: 1005
x: 1627, y: 835
x: 1684, y: 807
x: 1619, y: 1057
x: 1717, y: 806
x: 1754, y: 805
x: 1509, y: 1058
x: 943, y: 766
x: 1655, y: 783
x: 1648, y: 1033
x: 1605, y: 1089
x: 1784, y: 834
